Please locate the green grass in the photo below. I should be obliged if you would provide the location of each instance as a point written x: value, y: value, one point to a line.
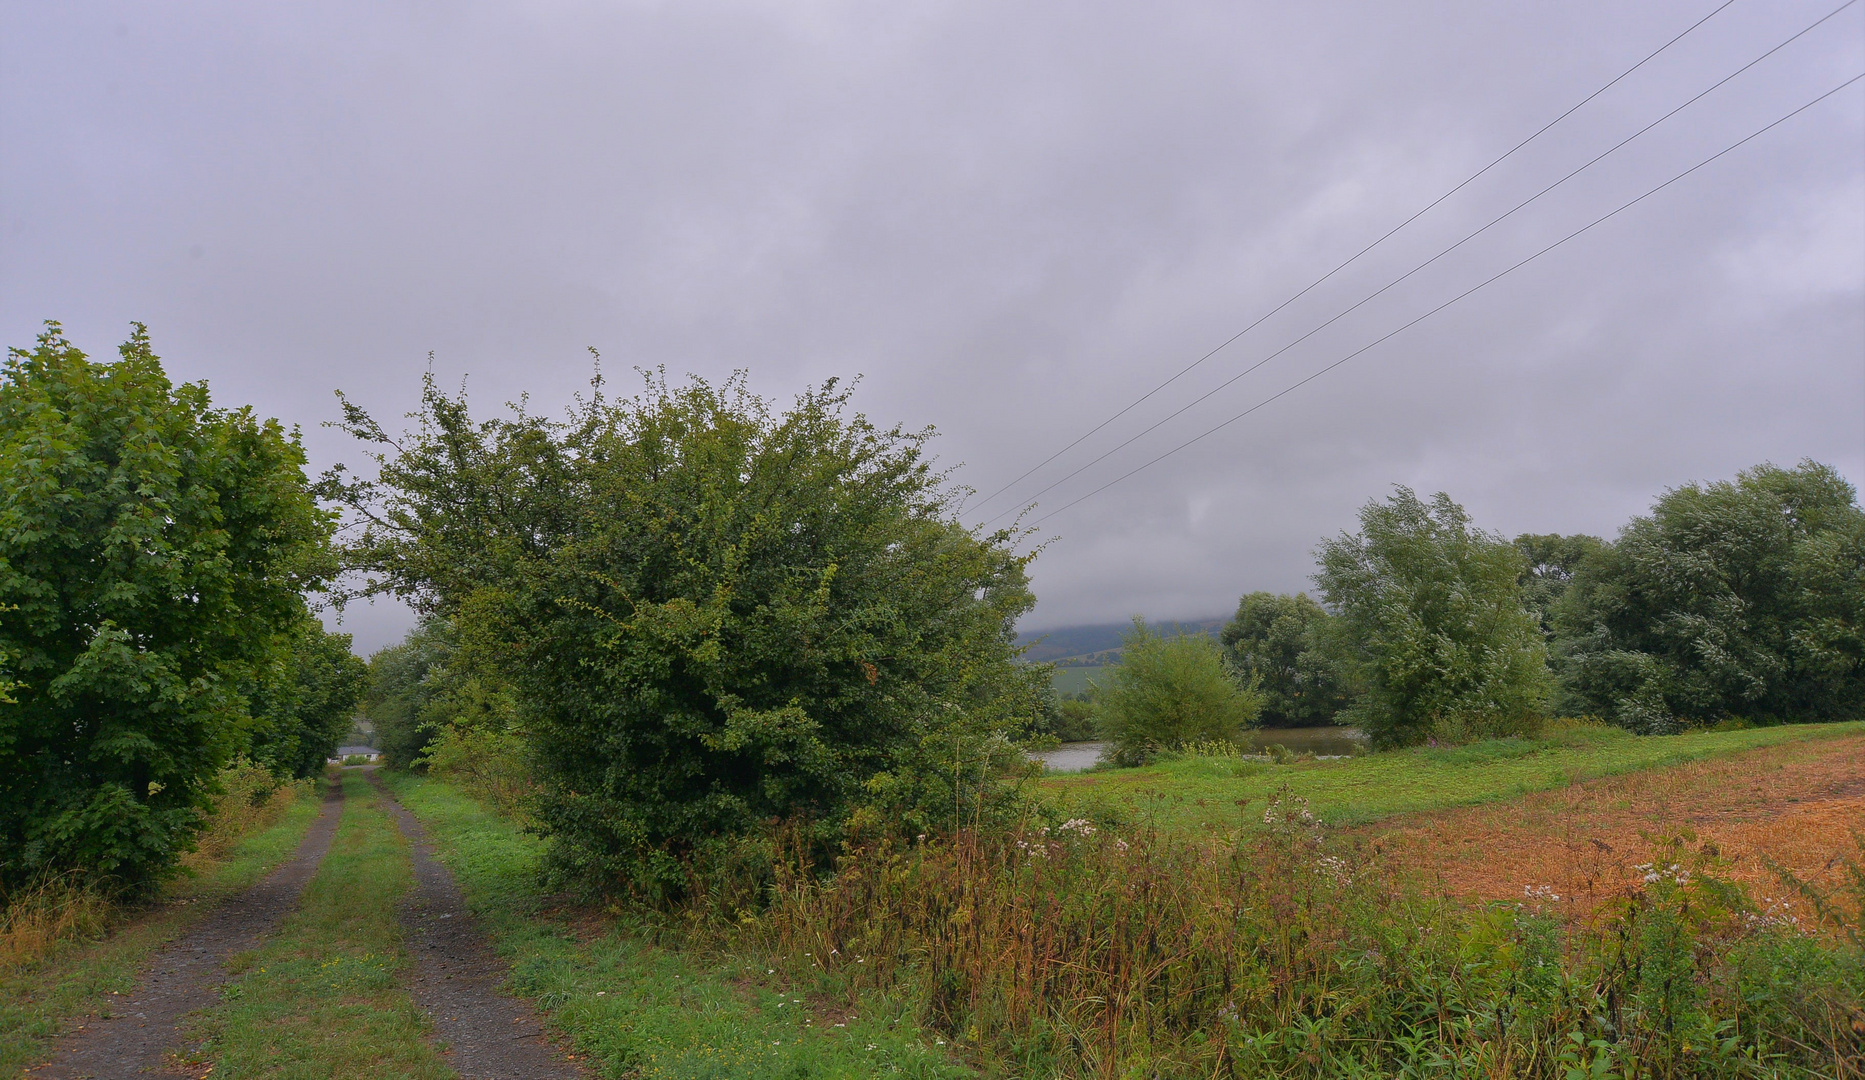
x: 1205, y: 791
x: 321, y: 999
x: 640, y: 1010
x: 79, y: 978
x: 1074, y: 680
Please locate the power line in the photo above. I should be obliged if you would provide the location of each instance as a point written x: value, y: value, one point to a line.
x: 1161, y: 422
x: 1356, y: 256
x: 1488, y: 281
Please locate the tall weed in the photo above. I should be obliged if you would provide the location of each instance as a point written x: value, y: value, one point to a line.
x: 39, y: 916
x: 1073, y: 950
x: 251, y: 798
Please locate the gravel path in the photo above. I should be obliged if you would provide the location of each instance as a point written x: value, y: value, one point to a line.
x: 456, y: 978
x: 142, y: 1026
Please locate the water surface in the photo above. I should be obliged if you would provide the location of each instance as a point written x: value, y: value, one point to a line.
x: 1319, y: 741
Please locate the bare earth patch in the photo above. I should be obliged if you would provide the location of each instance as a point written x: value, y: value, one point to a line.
x: 1800, y: 804
x: 141, y: 1027
x: 456, y: 978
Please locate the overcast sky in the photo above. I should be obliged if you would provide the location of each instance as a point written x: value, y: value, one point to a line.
x: 1012, y: 219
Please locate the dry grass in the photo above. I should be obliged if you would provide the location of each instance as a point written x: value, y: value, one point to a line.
x: 1797, y: 804
x: 57, y: 909
x: 252, y: 799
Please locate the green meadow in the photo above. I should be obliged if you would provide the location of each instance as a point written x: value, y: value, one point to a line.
x: 1193, y: 792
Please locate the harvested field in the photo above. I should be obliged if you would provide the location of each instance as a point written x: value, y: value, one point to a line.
x: 1800, y: 804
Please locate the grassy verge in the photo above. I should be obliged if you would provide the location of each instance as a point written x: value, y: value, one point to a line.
x: 321, y: 998
x: 1204, y: 791
x: 641, y: 1010
x: 79, y: 977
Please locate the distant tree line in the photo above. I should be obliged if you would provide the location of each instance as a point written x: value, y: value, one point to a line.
x: 1733, y: 601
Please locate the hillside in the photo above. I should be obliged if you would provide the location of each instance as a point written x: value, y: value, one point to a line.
x: 1099, y: 643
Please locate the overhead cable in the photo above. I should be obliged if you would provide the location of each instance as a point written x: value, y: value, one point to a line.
x: 1621, y: 144
x: 1467, y: 292
x: 1356, y: 256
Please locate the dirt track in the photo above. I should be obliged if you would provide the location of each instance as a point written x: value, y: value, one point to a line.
x: 141, y: 1027
x: 456, y: 978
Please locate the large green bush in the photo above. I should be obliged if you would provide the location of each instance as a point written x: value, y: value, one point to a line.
x: 711, y: 615
x: 1741, y: 599
x: 153, y: 552
x: 1432, y: 608
x: 1168, y: 692
x: 1283, y: 643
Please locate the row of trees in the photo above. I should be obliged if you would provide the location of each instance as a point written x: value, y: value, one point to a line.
x: 1735, y: 600
x: 155, y: 552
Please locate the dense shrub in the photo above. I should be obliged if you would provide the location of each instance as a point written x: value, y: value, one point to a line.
x: 1077, y: 719
x: 1283, y: 644
x: 491, y: 764
x: 1732, y: 599
x: 1069, y: 949
x: 711, y: 615
x: 153, y: 552
x: 41, y: 914
x: 1170, y: 691
x: 1439, y: 637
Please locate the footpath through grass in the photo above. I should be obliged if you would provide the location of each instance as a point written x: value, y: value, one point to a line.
x: 1204, y: 791
x: 640, y: 1010
x: 321, y: 999
x: 79, y: 978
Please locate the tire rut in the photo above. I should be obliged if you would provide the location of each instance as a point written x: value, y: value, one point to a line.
x: 143, y: 1025
x: 456, y: 978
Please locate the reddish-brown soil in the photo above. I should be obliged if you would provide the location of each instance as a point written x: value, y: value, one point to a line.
x: 141, y: 1027
x: 1801, y: 805
x: 485, y: 1034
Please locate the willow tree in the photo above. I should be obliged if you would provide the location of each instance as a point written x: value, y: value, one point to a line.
x: 1436, y: 625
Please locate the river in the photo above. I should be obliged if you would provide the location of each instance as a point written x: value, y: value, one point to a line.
x: 1319, y: 741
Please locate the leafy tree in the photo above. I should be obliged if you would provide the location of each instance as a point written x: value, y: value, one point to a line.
x: 1439, y: 634
x: 1068, y: 718
x: 304, y: 701
x: 711, y: 615
x: 1553, y: 560
x: 153, y: 550
x: 1281, y: 642
x: 1168, y: 692
x: 1738, y: 598
x: 426, y: 684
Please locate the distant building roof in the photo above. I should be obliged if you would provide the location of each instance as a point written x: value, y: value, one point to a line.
x: 357, y: 751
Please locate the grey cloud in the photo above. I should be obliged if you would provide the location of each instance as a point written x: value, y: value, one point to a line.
x: 1012, y: 218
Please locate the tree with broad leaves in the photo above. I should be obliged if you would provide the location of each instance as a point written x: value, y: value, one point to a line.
x: 154, y: 553
x: 710, y: 614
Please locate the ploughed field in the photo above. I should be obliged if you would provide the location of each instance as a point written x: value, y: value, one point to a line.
x: 1797, y: 806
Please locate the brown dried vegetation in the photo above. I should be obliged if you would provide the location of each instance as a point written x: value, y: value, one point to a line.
x: 1796, y: 806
